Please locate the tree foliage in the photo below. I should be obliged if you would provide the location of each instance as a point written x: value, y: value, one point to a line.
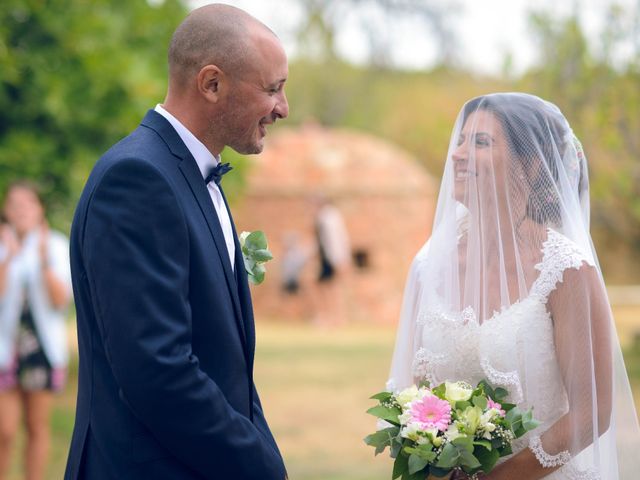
x: 75, y: 76
x: 601, y: 100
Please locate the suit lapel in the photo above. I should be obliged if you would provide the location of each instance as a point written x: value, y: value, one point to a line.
x: 243, y: 288
x: 192, y: 174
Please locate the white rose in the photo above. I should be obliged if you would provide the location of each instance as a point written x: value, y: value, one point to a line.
x: 457, y: 391
x: 407, y: 395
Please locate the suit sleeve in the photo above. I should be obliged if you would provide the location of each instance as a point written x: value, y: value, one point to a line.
x: 136, y: 253
x: 261, y: 422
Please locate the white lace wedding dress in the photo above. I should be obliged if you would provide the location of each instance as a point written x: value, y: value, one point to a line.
x: 457, y: 346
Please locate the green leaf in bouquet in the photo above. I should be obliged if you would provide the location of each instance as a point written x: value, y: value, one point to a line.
x: 513, y: 417
x: 416, y: 463
x: 480, y: 402
x: 420, y: 475
x: 390, y: 414
x: 396, y: 446
x: 520, y: 431
x: 479, y: 391
x: 500, y: 394
x: 462, y: 405
x: 506, y: 451
x: 439, y: 472
x: 483, y: 443
x: 439, y: 391
x: 508, y: 406
x: 487, y: 388
x: 486, y: 457
x: 424, y: 384
x: 401, y: 465
x: 448, y: 457
x: 528, y: 422
x: 382, y: 396
x: 424, y: 451
x: 467, y: 459
x: 382, y: 438
x: 464, y: 443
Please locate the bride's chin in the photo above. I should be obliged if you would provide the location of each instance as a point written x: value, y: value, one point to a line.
x: 460, y: 195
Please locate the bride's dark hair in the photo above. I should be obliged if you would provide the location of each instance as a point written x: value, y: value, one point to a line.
x: 537, y: 139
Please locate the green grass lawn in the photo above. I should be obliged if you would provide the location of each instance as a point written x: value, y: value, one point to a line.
x: 315, y: 386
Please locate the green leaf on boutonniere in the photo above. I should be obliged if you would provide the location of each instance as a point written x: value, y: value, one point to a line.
x: 255, y: 252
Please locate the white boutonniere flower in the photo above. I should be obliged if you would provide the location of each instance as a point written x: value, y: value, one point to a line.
x: 255, y: 252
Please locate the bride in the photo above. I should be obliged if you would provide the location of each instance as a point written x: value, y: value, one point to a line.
x: 508, y: 289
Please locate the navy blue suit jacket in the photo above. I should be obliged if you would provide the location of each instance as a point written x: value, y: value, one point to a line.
x: 165, y: 327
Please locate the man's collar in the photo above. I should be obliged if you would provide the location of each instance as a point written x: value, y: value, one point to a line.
x: 203, y: 157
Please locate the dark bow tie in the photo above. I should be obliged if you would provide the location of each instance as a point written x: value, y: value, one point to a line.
x: 216, y: 173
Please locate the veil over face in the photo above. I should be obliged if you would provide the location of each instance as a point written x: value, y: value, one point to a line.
x: 508, y: 288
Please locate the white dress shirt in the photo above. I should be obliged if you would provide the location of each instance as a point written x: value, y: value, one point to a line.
x: 205, y: 160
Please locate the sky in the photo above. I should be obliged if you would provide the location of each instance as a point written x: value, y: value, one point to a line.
x: 486, y: 30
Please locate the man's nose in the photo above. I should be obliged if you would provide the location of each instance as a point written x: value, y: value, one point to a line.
x: 281, y: 108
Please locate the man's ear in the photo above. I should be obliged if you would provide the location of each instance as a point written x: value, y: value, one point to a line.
x: 209, y: 82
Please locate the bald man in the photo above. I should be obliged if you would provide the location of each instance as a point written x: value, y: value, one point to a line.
x: 165, y: 323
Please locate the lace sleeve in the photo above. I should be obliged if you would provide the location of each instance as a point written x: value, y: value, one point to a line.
x: 558, y: 254
x: 582, y: 334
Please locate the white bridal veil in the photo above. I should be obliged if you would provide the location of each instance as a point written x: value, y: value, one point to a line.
x: 509, y: 289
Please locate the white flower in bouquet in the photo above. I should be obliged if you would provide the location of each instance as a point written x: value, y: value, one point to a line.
x: 453, y: 432
x: 486, y: 418
x: 457, y: 391
x: 470, y: 418
x: 411, y: 431
x: 407, y: 395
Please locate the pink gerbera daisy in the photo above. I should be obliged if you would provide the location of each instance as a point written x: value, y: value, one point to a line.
x: 431, y: 412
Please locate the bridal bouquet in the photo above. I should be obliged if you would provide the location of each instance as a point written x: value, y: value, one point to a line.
x: 434, y: 431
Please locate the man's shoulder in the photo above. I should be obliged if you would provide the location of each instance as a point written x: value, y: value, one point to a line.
x: 142, y: 150
x: 142, y: 146
x: 142, y: 143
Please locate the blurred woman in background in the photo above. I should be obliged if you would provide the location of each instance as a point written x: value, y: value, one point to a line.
x: 35, y: 290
